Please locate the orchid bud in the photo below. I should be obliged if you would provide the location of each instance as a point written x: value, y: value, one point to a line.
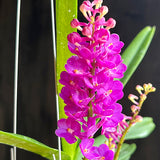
x: 132, y: 98
x: 74, y: 23
x: 97, y: 3
x: 74, y: 37
x: 134, y: 108
x: 139, y: 89
x: 85, y: 7
x: 153, y: 89
x: 138, y: 118
x: 87, y: 31
x: 111, y: 23
x: 147, y: 86
x: 103, y: 11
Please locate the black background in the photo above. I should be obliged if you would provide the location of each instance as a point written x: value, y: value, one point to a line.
x: 36, y: 102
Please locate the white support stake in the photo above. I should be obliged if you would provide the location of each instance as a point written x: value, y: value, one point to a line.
x: 55, y: 64
x: 16, y: 72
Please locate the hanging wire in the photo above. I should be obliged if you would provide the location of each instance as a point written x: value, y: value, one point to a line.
x: 55, y: 64
x: 16, y: 75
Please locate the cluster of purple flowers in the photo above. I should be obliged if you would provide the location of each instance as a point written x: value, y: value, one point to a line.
x: 90, y: 90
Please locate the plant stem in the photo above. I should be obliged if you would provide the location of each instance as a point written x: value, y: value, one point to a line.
x: 142, y: 99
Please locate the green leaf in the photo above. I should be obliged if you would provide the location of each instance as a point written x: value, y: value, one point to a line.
x: 126, y: 151
x: 78, y: 154
x: 65, y: 12
x: 31, y: 145
x: 99, y: 140
x: 135, y: 52
x: 141, y: 129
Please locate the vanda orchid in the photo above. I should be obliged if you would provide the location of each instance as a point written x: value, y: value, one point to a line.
x: 92, y: 86
x: 93, y: 81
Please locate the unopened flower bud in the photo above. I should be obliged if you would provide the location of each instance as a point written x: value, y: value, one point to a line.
x: 85, y: 7
x: 138, y: 118
x: 147, y: 86
x: 87, y: 31
x: 153, y: 89
x: 97, y: 3
x: 103, y: 11
x: 139, y: 89
x: 74, y: 23
x: 111, y: 23
x: 74, y: 37
x: 132, y: 98
x: 134, y: 108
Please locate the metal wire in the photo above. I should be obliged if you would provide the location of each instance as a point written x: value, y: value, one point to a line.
x: 12, y: 157
x: 54, y: 158
x: 55, y: 64
x: 16, y: 72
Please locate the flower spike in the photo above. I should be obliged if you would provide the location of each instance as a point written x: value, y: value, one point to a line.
x: 91, y: 89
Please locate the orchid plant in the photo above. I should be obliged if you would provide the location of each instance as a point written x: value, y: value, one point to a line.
x: 93, y: 83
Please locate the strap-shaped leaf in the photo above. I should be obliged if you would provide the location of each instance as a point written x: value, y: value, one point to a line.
x: 31, y: 145
x: 141, y: 129
x: 66, y: 10
x: 126, y: 151
x: 135, y: 52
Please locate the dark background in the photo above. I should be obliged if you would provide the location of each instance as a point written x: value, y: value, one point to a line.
x: 36, y: 99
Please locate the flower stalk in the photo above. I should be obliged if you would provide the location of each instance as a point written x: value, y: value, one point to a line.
x: 135, y: 118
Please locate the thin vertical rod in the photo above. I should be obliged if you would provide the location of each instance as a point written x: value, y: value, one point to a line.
x: 16, y: 71
x: 12, y: 157
x: 54, y: 158
x: 55, y: 64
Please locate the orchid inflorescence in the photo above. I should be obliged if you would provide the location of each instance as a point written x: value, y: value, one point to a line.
x: 90, y: 90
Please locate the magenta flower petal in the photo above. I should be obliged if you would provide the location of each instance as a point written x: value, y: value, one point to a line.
x: 77, y: 66
x: 101, y: 35
x: 72, y: 81
x: 114, y: 45
x: 76, y: 112
x: 110, y: 92
x: 68, y: 137
x: 66, y: 95
x: 117, y: 72
x: 103, y: 152
x: 109, y: 61
x: 80, y: 98
x: 68, y: 129
x: 74, y: 38
x: 87, y: 148
x: 85, y: 53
